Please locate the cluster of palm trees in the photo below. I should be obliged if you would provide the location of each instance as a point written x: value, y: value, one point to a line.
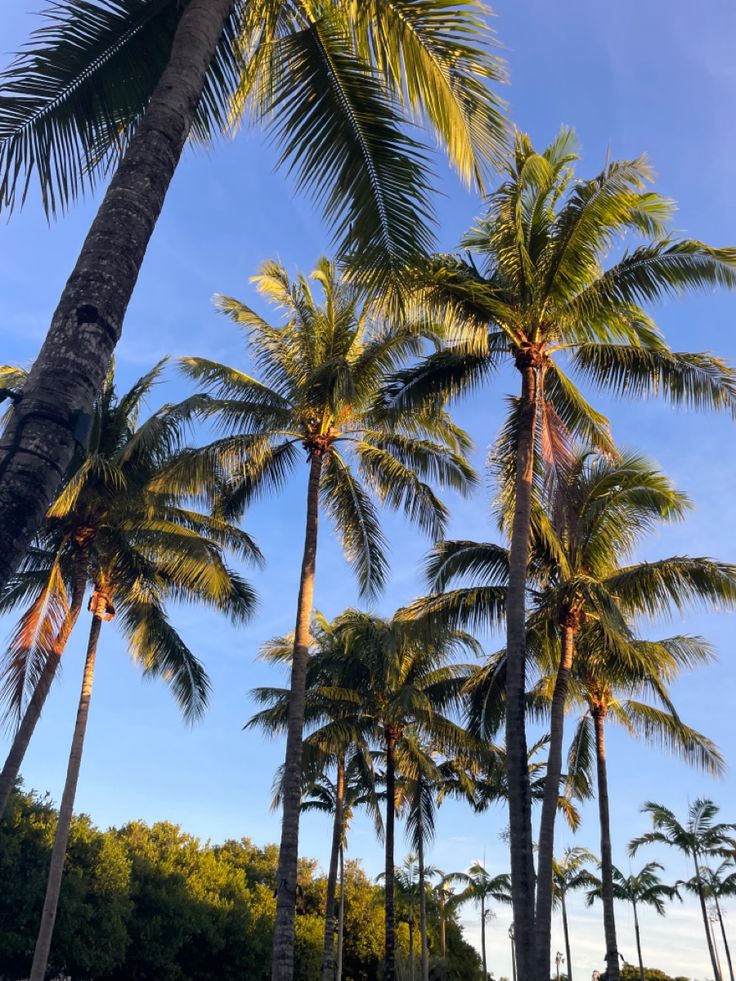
x: 344, y: 384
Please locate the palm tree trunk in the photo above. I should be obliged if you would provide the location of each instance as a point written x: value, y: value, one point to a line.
x: 566, y: 931
x: 328, y: 957
x: 38, y: 444
x: 483, y: 937
x: 543, y: 921
x: 282, y: 961
x: 411, y: 946
x: 443, y: 928
x: 706, y: 924
x: 390, y: 951
x: 61, y: 838
x: 638, y: 942
x: 37, y: 701
x: 723, y: 934
x: 422, y: 895
x: 340, y: 918
x: 609, y: 922
x: 520, y: 811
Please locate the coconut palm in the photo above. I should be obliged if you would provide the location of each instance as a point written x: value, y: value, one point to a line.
x: 322, y: 370
x: 141, y: 547
x: 107, y: 86
x: 109, y: 497
x: 569, y: 874
x: 481, y: 887
x: 541, y: 295
x: 644, y: 888
x: 700, y: 838
x: 715, y: 884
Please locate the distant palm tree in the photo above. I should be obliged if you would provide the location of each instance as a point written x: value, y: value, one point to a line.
x: 645, y: 888
x: 481, y: 887
x: 540, y: 297
x: 715, y: 884
x: 139, y: 548
x: 322, y: 372
x: 700, y: 838
x: 569, y: 874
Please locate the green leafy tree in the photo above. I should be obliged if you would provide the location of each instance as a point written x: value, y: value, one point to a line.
x: 541, y: 296
x: 569, y: 874
x: 322, y: 370
x: 107, y: 86
x: 644, y: 888
x: 700, y: 837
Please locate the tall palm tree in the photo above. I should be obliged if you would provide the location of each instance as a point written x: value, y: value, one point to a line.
x: 610, y: 667
x: 109, y: 497
x: 541, y: 294
x: 108, y: 86
x: 569, y: 874
x: 481, y: 887
x: 715, y: 884
x: 700, y: 837
x: 142, y: 547
x: 644, y: 888
x: 322, y: 371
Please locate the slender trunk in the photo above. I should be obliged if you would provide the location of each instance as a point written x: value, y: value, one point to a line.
x: 411, y: 946
x: 706, y: 924
x: 483, y: 937
x: 37, y: 701
x: 422, y: 894
x: 443, y: 930
x: 61, y: 838
x: 609, y: 922
x: 520, y: 810
x: 723, y: 934
x: 390, y: 953
x: 39, y: 442
x: 340, y: 917
x: 638, y: 941
x: 328, y: 957
x: 282, y: 961
x: 566, y: 931
x: 543, y: 921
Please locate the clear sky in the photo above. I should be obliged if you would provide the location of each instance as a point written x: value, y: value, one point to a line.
x: 657, y: 76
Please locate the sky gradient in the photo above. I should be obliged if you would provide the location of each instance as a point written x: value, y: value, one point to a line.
x: 656, y: 77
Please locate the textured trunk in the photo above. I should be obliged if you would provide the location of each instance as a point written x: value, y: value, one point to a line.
x: 39, y: 442
x: 723, y: 934
x: 609, y: 922
x: 443, y: 929
x: 706, y: 924
x: 520, y: 812
x: 543, y: 921
x: 389, y: 972
x: 422, y: 898
x: 638, y: 942
x: 340, y: 918
x: 328, y: 957
x: 483, y: 937
x: 282, y: 961
x: 61, y: 838
x: 37, y: 701
x: 566, y: 931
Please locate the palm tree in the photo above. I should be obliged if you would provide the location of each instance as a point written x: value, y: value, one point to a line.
x: 605, y: 668
x: 699, y: 838
x: 481, y: 887
x: 107, y: 86
x: 141, y: 547
x: 644, y: 888
x: 715, y: 884
x: 83, y: 526
x: 409, y: 883
x: 569, y: 873
x: 541, y: 295
x: 322, y: 372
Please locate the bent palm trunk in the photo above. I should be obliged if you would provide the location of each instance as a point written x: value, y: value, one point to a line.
x: 706, y: 924
x: 543, y: 921
x: 723, y: 934
x: 282, y: 963
x: 520, y: 810
x: 609, y: 922
x: 39, y: 441
x: 328, y: 957
x: 390, y: 950
x: 61, y: 838
x: 566, y: 931
x: 37, y: 701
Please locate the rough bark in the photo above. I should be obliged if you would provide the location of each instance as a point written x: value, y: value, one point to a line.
x: 638, y: 941
x: 520, y: 812
x: 39, y: 441
x: 706, y: 924
x: 389, y: 971
x: 61, y: 838
x: 328, y: 956
x: 483, y: 937
x: 422, y: 898
x: 32, y: 714
x: 609, y: 922
x: 566, y: 931
x: 543, y: 919
x: 340, y: 918
x: 282, y: 962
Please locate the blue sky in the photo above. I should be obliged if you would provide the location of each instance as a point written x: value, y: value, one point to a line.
x: 630, y: 77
